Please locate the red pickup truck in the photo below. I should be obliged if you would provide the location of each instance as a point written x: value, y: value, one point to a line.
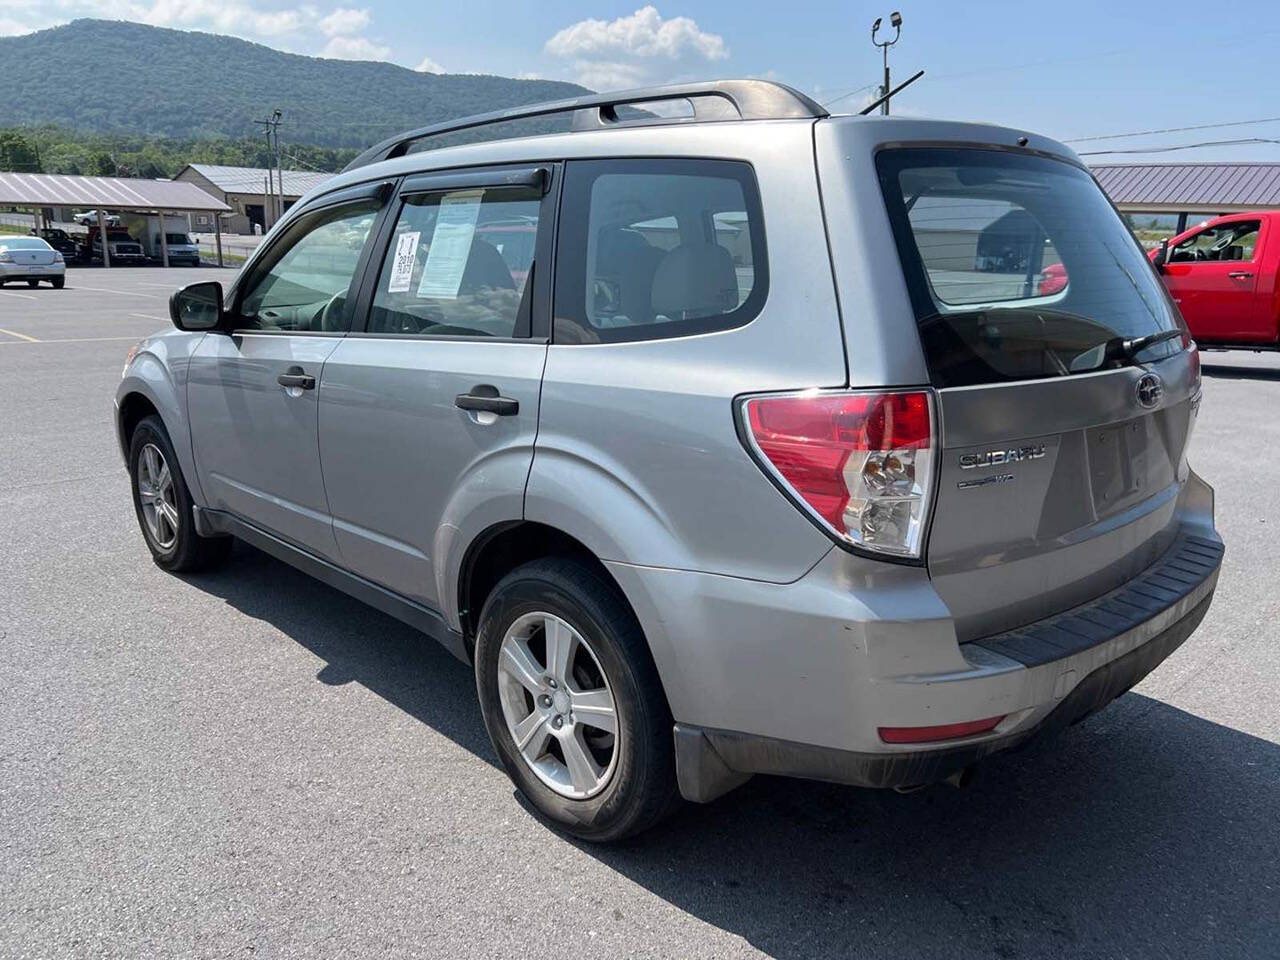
x: 1223, y: 275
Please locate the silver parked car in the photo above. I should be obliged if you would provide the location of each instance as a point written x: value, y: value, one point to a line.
x: 32, y: 260
x: 752, y: 441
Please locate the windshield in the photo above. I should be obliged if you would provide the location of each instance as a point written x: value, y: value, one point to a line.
x: 178, y: 239
x: 1018, y: 266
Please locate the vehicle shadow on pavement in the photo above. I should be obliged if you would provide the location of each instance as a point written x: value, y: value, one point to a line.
x: 1233, y: 372
x: 357, y: 643
x: 1144, y: 831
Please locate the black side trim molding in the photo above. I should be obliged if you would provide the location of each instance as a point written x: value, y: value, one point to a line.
x: 711, y: 762
x: 430, y: 622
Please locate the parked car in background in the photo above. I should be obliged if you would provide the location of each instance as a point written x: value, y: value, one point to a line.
x: 123, y: 248
x: 1225, y: 277
x: 181, y: 247
x: 63, y: 242
x: 804, y: 474
x: 32, y: 260
x: 89, y: 218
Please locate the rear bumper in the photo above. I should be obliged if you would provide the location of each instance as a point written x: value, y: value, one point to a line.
x: 798, y: 678
x: 713, y: 761
x: 25, y: 271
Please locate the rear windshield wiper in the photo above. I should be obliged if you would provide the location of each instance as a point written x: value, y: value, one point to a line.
x: 1126, y: 348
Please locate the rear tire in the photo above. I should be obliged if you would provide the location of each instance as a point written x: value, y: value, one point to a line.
x: 33, y: 284
x: 59, y: 283
x: 531, y: 611
x: 163, y: 504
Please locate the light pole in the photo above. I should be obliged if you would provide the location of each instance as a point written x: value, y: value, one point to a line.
x: 895, y: 21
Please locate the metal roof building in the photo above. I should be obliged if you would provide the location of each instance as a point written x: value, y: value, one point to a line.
x: 48, y: 191
x: 251, y: 179
x: 1183, y: 188
x: 253, y: 193
x: 112, y: 193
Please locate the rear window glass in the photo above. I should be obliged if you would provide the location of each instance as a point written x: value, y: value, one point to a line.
x: 657, y: 248
x: 22, y: 243
x: 1018, y: 266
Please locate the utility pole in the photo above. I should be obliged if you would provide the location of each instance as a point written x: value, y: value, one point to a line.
x: 895, y: 21
x: 275, y: 202
x: 275, y: 132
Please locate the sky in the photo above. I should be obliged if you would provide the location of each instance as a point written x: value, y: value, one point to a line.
x: 1077, y: 69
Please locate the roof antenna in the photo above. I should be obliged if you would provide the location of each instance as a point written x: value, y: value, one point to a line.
x: 875, y: 103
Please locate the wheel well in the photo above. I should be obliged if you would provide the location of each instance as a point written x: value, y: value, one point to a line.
x: 500, y: 551
x: 133, y: 408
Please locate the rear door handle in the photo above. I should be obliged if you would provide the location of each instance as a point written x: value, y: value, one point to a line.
x: 1239, y: 274
x: 484, y: 398
x: 295, y: 377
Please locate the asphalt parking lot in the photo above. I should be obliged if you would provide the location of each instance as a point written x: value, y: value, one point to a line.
x: 248, y: 763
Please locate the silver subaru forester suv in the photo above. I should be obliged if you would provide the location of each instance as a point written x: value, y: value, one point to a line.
x: 742, y: 440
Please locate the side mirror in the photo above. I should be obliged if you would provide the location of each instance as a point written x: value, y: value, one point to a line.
x: 1162, y: 255
x: 197, y: 306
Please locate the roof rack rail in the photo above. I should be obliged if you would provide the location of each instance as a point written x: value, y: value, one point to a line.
x: 711, y: 101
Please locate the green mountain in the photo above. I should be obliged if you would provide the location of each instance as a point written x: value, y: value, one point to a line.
x: 112, y: 77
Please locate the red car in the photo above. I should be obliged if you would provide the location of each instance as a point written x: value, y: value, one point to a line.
x: 1223, y: 275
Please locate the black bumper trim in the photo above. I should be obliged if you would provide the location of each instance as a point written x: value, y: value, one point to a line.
x: 732, y: 755
x: 1188, y: 563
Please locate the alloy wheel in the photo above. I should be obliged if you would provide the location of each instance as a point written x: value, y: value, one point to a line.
x: 157, y: 496
x: 558, y: 706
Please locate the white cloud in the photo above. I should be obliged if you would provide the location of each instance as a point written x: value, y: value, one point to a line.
x: 355, y: 48
x: 343, y: 21
x: 14, y: 28
x: 223, y: 16
x: 643, y: 34
x: 429, y: 66
x: 632, y: 50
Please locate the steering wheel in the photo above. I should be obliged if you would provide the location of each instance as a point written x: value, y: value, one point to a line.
x: 329, y: 316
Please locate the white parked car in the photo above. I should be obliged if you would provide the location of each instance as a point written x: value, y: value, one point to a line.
x: 89, y: 218
x: 32, y: 260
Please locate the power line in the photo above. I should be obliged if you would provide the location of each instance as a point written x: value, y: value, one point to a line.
x: 1198, y: 126
x: 1181, y: 146
x: 869, y: 86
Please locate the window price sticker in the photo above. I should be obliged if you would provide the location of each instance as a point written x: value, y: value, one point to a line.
x: 406, y: 256
x: 450, y: 245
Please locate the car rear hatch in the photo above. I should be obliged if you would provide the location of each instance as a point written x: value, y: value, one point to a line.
x: 1061, y: 435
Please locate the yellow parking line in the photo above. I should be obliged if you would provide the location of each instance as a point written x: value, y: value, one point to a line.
x: 147, y: 316
x: 20, y: 336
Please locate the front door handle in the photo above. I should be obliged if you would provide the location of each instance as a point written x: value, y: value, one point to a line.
x: 1239, y: 274
x: 296, y: 378
x: 484, y: 398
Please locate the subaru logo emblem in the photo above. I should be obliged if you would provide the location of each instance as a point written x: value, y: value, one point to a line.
x: 1150, y: 390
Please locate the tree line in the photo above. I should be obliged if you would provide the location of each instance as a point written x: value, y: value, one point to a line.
x: 53, y: 150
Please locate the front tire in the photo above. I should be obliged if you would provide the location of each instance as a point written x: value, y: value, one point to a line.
x: 572, y: 701
x: 163, y: 504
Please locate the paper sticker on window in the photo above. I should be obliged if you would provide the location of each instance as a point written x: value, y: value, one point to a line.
x: 450, y: 245
x: 406, y: 256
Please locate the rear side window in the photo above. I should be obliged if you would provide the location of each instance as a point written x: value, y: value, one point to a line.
x: 459, y: 264
x: 658, y: 248
x: 1017, y: 265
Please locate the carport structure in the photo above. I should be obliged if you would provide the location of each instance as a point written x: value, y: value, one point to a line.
x: 35, y: 191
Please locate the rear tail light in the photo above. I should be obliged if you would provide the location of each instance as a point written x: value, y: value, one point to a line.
x: 6, y: 256
x: 57, y: 257
x: 860, y: 462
